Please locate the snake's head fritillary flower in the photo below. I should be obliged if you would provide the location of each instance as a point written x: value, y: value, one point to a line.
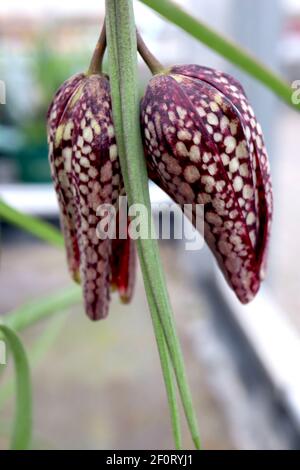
x: 86, y: 173
x: 203, y: 145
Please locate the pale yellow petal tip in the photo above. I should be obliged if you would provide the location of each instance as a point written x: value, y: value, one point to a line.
x: 76, y: 277
x: 124, y: 298
x: 113, y: 287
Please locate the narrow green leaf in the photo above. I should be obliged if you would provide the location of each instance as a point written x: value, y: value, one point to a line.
x: 22, y: 431
x: 226, y: 48
x: 31, y: 224
x: 122, y: 54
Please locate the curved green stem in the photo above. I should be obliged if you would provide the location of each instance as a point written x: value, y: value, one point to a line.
x: 21, y: 437
x: 122, y: 52
x: 228, y: 49
x: 154, y: 65
x: 36, y: 352
x: 97, y: 59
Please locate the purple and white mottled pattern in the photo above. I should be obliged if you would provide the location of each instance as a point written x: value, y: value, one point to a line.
x: 86, y: 172
x: 63, y: 191
x: 204, y: 145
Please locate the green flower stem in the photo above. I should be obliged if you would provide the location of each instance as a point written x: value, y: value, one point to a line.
x: 97, y: 59
x: 31, y: 224
x: 153, y: 64
x: 122, y: 52
x: 21, y: 437
x: 228, y: 49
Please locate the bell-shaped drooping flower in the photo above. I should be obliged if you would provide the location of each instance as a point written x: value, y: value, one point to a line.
x: 204, y: 145
x: 86, y: 173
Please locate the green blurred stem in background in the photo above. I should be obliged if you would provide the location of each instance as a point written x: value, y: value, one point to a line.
x: 30, y: 224
x: 36, y: 352
x: 223, y: 46
x: 32, y: 312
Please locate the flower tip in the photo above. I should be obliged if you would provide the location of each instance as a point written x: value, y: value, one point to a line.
x: 124, y: 297
x: 249, y: 298
x: 76, y: 277
x: 96, y: 315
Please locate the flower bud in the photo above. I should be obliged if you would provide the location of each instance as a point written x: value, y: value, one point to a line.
x: 86, y: 172
x: 203, y: 145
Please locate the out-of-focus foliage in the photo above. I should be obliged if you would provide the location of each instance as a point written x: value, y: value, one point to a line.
x: 47, y: 69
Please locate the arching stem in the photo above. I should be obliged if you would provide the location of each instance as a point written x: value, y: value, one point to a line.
x: 97, y: 59
x: 154, y: 65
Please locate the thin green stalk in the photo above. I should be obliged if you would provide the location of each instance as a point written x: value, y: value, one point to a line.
x: 21, y: 436
x: 97, y: 59
x: 154, y: 65
x: 226, y: 48
x: 37, y: 227
x: 122, y: 51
